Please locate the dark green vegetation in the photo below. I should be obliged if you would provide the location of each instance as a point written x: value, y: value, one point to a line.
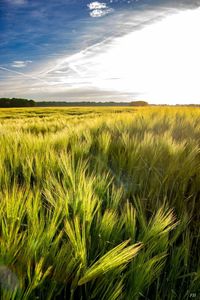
x: 100, y: 203
x: 58, y: 103
x: 16, y: 102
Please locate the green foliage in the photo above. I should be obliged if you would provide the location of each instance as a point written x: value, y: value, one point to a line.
x: 16, y: 102
x: 99, y: 203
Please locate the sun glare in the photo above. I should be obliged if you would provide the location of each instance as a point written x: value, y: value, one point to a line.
x: 160, y: 62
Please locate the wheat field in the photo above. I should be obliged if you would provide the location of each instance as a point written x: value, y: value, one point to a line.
x: 100, y: 203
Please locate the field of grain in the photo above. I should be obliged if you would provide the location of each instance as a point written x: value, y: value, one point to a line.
x: 100, y: 203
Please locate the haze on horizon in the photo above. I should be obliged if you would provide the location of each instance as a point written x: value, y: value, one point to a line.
x: 115, y: 50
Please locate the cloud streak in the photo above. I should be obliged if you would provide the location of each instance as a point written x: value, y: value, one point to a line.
x: 29, y: 76
x: 17, y: 2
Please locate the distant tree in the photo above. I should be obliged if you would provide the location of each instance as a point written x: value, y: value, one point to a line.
x: 32, y: 103
x: 139, y: 103
x: 16, y: 102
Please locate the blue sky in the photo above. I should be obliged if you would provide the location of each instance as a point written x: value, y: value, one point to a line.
x: 117, y: 50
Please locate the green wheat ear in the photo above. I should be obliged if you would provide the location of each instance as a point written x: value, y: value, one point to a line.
x: 119, y: 255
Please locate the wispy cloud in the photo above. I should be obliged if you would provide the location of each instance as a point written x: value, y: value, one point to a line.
x: 17, y: 2
x: 28, y: 76
x: 20, y: 63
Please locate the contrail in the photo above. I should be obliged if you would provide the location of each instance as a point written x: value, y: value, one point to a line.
x: 24, y: 75
x: 74, y: 56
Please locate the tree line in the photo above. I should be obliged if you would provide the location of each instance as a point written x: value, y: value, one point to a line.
x: 88, y: 103
x: 19, y: 102
x: 16, y: 102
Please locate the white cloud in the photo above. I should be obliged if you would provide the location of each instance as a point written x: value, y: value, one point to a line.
x: 99, y: 9
x: 20, y: 63
x: 97, y: 5
x: 100, y: 12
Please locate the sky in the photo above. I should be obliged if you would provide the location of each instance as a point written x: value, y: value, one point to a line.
x: 112, y: 50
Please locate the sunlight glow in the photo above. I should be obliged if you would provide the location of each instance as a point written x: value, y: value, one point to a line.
x: 161, y: 61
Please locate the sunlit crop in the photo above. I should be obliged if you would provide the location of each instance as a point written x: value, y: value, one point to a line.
x: 100, y: 203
